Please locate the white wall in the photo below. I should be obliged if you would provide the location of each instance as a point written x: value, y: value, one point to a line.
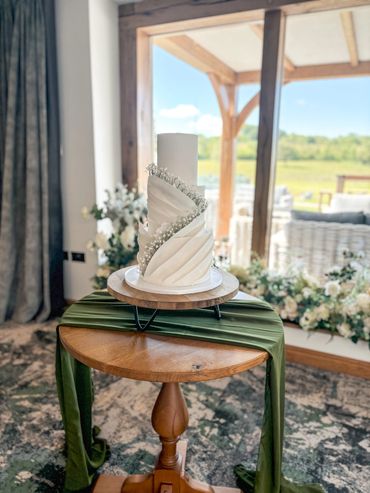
x: 104, y: 51
x: 87, y: 36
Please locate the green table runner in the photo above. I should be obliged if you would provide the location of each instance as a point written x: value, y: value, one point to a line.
x: 250, y: 323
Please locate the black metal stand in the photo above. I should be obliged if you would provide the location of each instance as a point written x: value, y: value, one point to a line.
x: 142, y: 327
x: 139, y: 326
x: 217, y: 311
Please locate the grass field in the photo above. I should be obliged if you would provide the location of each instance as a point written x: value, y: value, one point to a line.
x: 300, y: 177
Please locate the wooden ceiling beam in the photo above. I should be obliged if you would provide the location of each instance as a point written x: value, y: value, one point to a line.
x: 190, y: 52
x: 350, y: 35
x: 329, y: 71
x: 186, y: 14
x: 149, y: 13
x: 311, y: 72
x: 248, y: 77
x: 258, y: 30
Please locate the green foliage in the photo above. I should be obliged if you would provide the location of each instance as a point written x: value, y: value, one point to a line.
x: 349, y: 147
x: 344, y: 148
x: 209, y: 148
x: 124, y: 209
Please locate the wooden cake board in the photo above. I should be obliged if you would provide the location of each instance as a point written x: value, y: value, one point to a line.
x: 120, y: 290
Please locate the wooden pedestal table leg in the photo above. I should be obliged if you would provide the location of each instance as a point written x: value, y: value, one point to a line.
x: 170, y: 419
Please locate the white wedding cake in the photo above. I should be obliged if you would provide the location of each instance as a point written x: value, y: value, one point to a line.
x: 175, y: 248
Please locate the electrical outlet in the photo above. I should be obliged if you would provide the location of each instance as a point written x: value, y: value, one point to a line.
x: 78, y: 256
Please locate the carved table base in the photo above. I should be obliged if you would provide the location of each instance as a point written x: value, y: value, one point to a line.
x: 170, y: 419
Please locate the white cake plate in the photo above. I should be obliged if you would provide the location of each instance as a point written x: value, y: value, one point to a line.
x: 134, y: 279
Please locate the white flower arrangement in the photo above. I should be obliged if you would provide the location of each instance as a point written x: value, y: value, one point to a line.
x: 339, y: 304
x: 124, y: 210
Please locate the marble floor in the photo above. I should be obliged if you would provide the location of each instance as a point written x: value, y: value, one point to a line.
x: 327, y: 436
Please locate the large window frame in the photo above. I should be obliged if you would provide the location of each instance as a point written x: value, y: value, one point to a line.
x: 139, y: 21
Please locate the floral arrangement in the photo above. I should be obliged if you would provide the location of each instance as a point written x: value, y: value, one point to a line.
x: 339, y: 304
x: 122, y: 212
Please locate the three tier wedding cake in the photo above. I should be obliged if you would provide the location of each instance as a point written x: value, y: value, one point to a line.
x: 175, y: 248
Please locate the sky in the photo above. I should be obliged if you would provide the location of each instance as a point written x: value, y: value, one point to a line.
x: 184, y: 101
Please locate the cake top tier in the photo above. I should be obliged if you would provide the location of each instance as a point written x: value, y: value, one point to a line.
x: 179, y: 154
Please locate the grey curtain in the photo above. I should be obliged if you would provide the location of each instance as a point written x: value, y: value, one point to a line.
x: 31, y: 257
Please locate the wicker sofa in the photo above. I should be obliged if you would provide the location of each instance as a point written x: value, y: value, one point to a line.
x: 318, y: 245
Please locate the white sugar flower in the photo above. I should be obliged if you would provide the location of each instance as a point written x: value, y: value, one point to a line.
x: 363, y: 301
x: 85, y: 212
x: 127, y: 237
x: 101, y: 241
x: 344, y: 329
x: 332, y: 288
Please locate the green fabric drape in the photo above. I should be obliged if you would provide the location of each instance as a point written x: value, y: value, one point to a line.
x: 250, y: 323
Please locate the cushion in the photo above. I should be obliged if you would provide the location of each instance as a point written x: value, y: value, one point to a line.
x: 367, y: 219
x: 350, y: 202
x: 335, y: 217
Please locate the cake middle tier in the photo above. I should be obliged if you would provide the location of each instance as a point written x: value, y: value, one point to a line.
x: 184, y: 259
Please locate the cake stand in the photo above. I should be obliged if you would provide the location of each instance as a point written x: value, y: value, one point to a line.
x: 120, y: 290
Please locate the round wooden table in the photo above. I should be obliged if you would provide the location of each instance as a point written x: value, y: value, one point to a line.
x: 169, y: 360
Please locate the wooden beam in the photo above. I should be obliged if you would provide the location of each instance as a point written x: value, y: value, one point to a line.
x: 245, y: 112
x: 226, y: 95
x: 311, y: 72
x: 271, y: 82
x: 220, y: 93
x: 128, y: 84
x: 180, y: 27
x: 149, y: 13
x: 258, y: 30
x: 329, y: 71
x: 227, y: 168
x: 194, y: 54
x: 322, y: 5
x: 162, y: 24
x: 144, y: 106
x: 248, y: 77
x: 349, y: 33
